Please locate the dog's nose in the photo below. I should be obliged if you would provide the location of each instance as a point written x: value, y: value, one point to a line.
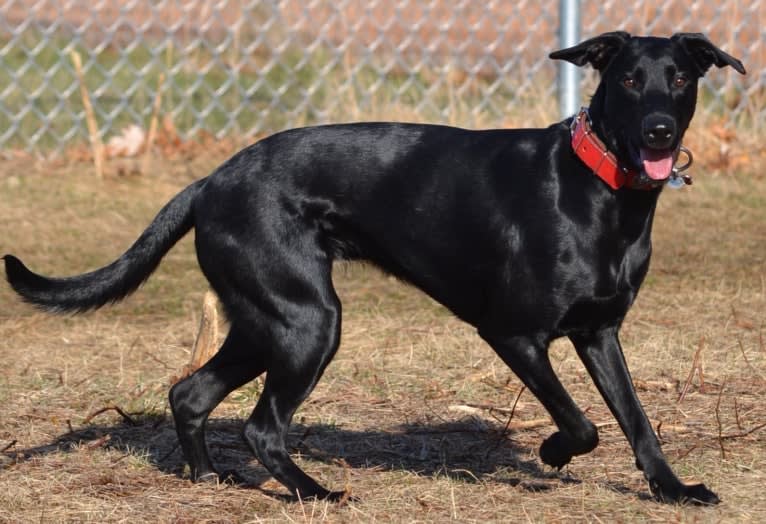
x: 659, y: 131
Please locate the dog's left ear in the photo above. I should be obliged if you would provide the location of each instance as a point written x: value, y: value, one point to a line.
x: 705, y: 53
x: 597, y: 51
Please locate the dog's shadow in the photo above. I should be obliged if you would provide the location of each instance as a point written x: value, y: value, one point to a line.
x: 462, y: 450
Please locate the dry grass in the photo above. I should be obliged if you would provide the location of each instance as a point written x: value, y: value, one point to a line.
x: 412, y: 412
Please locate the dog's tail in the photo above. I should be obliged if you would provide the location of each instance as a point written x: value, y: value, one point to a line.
x: 117, y: 280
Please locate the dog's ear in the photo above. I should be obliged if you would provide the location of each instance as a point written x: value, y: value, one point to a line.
x: 597, y: 51
x: 705, y: 53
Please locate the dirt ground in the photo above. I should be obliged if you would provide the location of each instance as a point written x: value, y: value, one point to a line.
x: 416, y: 416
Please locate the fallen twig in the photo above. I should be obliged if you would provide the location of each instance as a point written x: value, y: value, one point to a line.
x: 475, y: 408
x: 504, y: 434
x: 166, y: 456
x: 346, y: 497
x: 696, y: 366
x: 683, y: 454
x: 753, y: 370
x: 736, y: 414
x: 718, y: 419
x: 99, y: 442
x: 127, y: 418
x: 743, y: 433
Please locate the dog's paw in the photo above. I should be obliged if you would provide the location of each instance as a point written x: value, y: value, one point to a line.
x: 700, y: 494
x: 555, y: 451
x: 685, y: 494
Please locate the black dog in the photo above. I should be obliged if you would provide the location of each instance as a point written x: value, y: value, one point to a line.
x: 527, y: 234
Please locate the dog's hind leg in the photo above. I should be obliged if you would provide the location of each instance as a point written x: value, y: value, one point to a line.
x: 270, y: 267
x: 300, y: 355
x: 528, y: 358
x: 192, y: 399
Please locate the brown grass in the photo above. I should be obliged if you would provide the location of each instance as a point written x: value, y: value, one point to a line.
x: 411, y: 414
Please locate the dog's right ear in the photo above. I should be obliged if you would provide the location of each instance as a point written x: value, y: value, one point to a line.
x: 597, y: 51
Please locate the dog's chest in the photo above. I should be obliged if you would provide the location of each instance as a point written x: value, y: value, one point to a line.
x: 571, y: 279
x: 598, y: 287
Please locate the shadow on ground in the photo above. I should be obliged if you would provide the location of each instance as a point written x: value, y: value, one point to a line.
x: 464, y: 450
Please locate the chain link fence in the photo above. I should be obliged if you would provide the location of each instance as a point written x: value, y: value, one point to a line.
x: 248, y: 67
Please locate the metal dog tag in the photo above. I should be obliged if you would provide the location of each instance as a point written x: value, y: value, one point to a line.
x: 676, y: 181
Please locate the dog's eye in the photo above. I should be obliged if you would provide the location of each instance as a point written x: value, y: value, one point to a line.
x: 628, y: 82
x: 680, y: 81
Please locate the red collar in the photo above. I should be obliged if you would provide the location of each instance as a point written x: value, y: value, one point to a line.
x: 599, y: 159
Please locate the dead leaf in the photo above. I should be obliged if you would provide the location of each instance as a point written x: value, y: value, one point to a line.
x: 127, y: 144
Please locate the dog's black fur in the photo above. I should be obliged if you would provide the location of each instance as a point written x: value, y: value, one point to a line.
x: 506, y: 228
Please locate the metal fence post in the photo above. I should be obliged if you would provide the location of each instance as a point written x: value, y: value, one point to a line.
x: 569, y: 74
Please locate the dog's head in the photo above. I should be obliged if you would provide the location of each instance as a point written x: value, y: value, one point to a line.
x: 647, y: 94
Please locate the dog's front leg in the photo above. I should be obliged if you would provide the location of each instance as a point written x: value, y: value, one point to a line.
x: 528, y: 357
x: 602, y: 355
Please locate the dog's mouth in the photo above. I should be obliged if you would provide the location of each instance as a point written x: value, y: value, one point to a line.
x: 656, y: 164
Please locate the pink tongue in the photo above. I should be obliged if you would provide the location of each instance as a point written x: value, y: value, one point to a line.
x: 657, y: 164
